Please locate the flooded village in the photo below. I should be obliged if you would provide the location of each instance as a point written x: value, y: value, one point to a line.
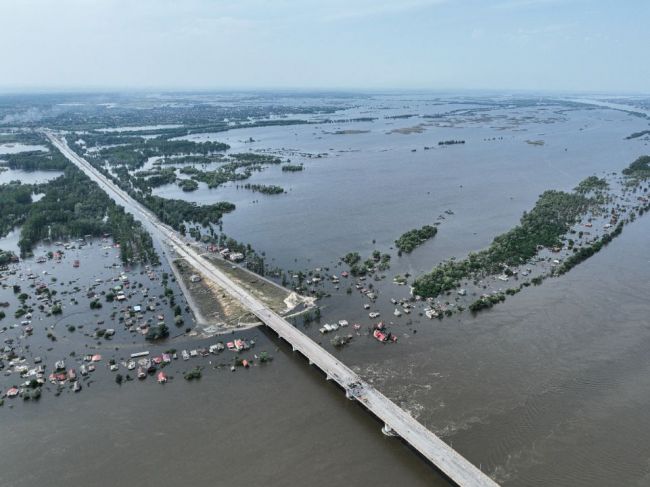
x: 106, y: 316
x: 75, y: 309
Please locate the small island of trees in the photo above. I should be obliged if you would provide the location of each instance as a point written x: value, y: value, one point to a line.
x: 188, y: 185
x: 408, y: 241
x: 264, y: 188
x: 292, y: 168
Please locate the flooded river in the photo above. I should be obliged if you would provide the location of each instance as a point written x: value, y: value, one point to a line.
x: 551, y: 387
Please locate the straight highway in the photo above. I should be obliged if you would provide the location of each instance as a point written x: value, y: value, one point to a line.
x: 396, y: 420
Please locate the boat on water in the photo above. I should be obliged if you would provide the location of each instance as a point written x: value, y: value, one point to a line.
x: 185, y: 355
x: 76, y: 387
x: 72, y: 374
x: 141, y: 373
x: 83, y: 370
x: 12, y: 392
x: 162, y: 377
x: 75, y: 263
x: 114, y: 367
x: 130, y: 365
x: 59, y: 365
x: 91, y: 368
x: 373, y: 314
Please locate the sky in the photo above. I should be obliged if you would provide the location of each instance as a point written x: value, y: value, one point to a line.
x: 536, y: 45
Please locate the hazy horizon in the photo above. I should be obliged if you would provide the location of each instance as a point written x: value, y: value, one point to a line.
x: 373, y: 46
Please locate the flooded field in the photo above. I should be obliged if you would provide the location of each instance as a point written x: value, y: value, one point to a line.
x: 17, y: 148
x: 27, y: 177
x: 548, y: 388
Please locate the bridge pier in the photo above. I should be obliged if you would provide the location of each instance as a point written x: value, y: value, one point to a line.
x: 451, y: 463
x: 388, y: 431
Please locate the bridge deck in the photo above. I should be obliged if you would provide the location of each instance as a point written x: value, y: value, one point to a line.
x: 447, y: 460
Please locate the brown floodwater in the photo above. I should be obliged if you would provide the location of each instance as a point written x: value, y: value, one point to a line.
x: 551, y: 387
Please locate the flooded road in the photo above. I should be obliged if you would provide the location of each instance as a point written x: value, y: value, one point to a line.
x: 551, y: 387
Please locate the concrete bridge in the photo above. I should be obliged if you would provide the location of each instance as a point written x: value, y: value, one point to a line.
x: 396, y: 421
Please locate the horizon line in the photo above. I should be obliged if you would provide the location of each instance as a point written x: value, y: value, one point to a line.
x: 87, y: 90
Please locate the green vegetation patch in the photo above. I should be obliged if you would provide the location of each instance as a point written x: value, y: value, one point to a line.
x: 585, y: 252
x: 188, y: 185
x: 137, y: 150
x: 592, y: 183
x: 408, y: 241
x: 292, y: 168
x: 176, y: 212
x: 376, y: 262
x: 640, y: 168
x: 154, y: 178
x: 15, y: 202
x: 239, y: 167
x: 554, y: 213
x: 74, y: 206
x: 7, y: 257
x: 351, y: 258
x: 264, y: 188
x: 37, y: 160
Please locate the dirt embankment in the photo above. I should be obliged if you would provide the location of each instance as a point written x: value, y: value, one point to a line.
x: 214, y: 309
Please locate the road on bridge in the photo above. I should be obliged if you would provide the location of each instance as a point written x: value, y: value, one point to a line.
x: 396, y: 420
